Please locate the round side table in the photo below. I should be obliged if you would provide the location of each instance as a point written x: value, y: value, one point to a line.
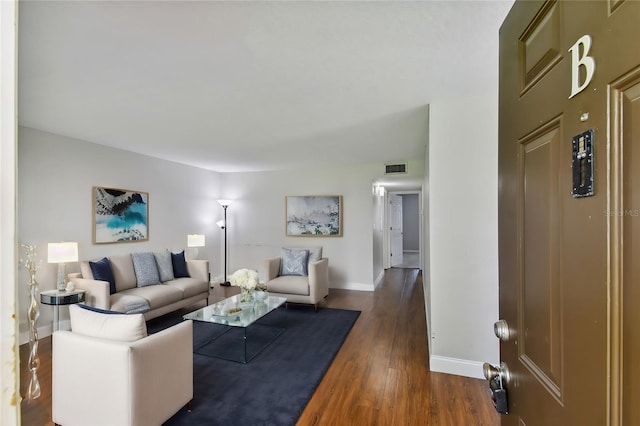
x: 57, y: 298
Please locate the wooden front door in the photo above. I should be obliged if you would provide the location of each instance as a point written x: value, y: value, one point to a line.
x: 569, y: 268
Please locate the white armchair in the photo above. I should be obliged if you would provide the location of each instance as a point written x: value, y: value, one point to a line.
x: 100, y: 381
x: 310, y: 288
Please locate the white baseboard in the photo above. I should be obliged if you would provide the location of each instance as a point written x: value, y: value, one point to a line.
x: 459, y: 367
x: 379, y: 279
x: 43, y: 331
x: 353, y: 286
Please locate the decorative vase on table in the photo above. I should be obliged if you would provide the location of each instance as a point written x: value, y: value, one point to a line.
x: 246, y: 294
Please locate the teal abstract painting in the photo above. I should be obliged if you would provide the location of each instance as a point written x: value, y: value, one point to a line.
x: 120, y: 215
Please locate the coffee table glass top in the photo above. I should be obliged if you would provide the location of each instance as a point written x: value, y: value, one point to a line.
x: 233, y: 312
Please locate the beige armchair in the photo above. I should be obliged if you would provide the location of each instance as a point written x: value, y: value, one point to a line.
x: 309, y: 289
x: 101, y: 381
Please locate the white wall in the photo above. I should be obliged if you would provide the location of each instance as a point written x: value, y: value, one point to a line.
x: 55, y: 179
x: 257, y: 218
x: 463, y: 181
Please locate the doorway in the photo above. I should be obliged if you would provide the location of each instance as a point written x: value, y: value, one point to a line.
x: 404, y: 231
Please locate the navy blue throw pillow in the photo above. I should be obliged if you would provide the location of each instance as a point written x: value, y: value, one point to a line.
x: 179, y: 265
x: 101, y: 271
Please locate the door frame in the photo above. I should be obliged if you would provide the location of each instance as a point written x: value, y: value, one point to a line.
x: 387, y: 233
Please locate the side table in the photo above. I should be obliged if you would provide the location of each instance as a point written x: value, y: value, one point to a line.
x: 57, y: 298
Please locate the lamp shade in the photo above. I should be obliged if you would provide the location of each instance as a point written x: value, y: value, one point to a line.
x: 224, y: 203
x: 220, y: 224
x: 62, y: 252
x: 195, y: 240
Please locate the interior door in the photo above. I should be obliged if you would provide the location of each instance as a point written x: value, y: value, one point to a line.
x: 569, y: 289
x: 396, y: 233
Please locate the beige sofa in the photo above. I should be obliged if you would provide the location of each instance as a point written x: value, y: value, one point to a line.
x: 107, y: 371
x: 311, y: 288
x: 150, y: 300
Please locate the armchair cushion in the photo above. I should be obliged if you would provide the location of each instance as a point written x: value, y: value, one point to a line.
x: 294, y: 262
x: 315, y: 252
x: 101, y: 271
x: 122, y: 327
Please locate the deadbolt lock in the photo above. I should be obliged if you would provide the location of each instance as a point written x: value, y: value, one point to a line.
x: 501, y: 330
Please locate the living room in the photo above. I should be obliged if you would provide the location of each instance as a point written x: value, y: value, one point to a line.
x: 55, y: 174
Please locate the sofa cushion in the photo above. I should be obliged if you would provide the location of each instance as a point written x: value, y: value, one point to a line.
x: 157, y: 295
x: 165, y: 265
x: 129, y: 303
x: 294, y: 262
x: 123, y: 271
x: 189, y: 286
x: 126, y: 328
x: 146, y: 269
x: 179, y: 265
x: 85, y: 270
x: 101, y: 271
x: 289, y: 284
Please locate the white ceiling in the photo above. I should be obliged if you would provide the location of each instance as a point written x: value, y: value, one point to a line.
x: 249, y: 86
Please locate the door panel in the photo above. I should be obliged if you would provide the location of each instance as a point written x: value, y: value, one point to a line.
x: 540, y: 322
x: 569, y: 287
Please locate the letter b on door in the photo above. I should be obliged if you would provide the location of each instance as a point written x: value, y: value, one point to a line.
x: 580, y: 57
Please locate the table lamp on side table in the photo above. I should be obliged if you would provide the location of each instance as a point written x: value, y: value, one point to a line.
x: 195, y: 241
x: 61, y: 253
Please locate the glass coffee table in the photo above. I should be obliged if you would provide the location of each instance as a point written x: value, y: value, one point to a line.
x: 248, y: 327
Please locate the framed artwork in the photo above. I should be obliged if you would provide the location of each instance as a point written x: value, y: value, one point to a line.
x: 314, y: 216
x: 120, y: 215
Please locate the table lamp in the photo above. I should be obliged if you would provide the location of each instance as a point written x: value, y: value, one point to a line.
x: 195, y: 240
x: 61, y: 253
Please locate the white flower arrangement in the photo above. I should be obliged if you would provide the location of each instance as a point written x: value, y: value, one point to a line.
x: 244, y: 278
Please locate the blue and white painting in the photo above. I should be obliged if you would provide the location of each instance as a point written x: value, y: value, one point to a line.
x: 314, y: 216
x: 120, y: 215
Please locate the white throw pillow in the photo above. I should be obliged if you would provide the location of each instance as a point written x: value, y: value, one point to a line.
x: 122, y: 327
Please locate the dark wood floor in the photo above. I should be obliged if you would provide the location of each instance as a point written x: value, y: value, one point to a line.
x: 380, y: 376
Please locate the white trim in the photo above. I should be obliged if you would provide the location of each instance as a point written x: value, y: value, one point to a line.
x: 379, y: 279
x: 44, y: 331
x: 9, y: 353
x: 459, y: 367
x: 355, y: 286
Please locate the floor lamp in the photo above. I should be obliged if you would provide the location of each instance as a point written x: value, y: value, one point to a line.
x: 223, y: 225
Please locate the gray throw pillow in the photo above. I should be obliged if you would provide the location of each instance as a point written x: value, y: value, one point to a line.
x: 165, y: 266
x: 144, y: 265
x: 294, y: 262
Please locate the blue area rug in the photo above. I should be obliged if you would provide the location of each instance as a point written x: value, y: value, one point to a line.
x: 274, y: 387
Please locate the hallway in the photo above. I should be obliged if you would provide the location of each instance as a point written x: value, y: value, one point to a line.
x: 410, y: 260
x: 381, y: 375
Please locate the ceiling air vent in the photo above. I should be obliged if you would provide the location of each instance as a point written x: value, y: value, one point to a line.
x: 392, y: 169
